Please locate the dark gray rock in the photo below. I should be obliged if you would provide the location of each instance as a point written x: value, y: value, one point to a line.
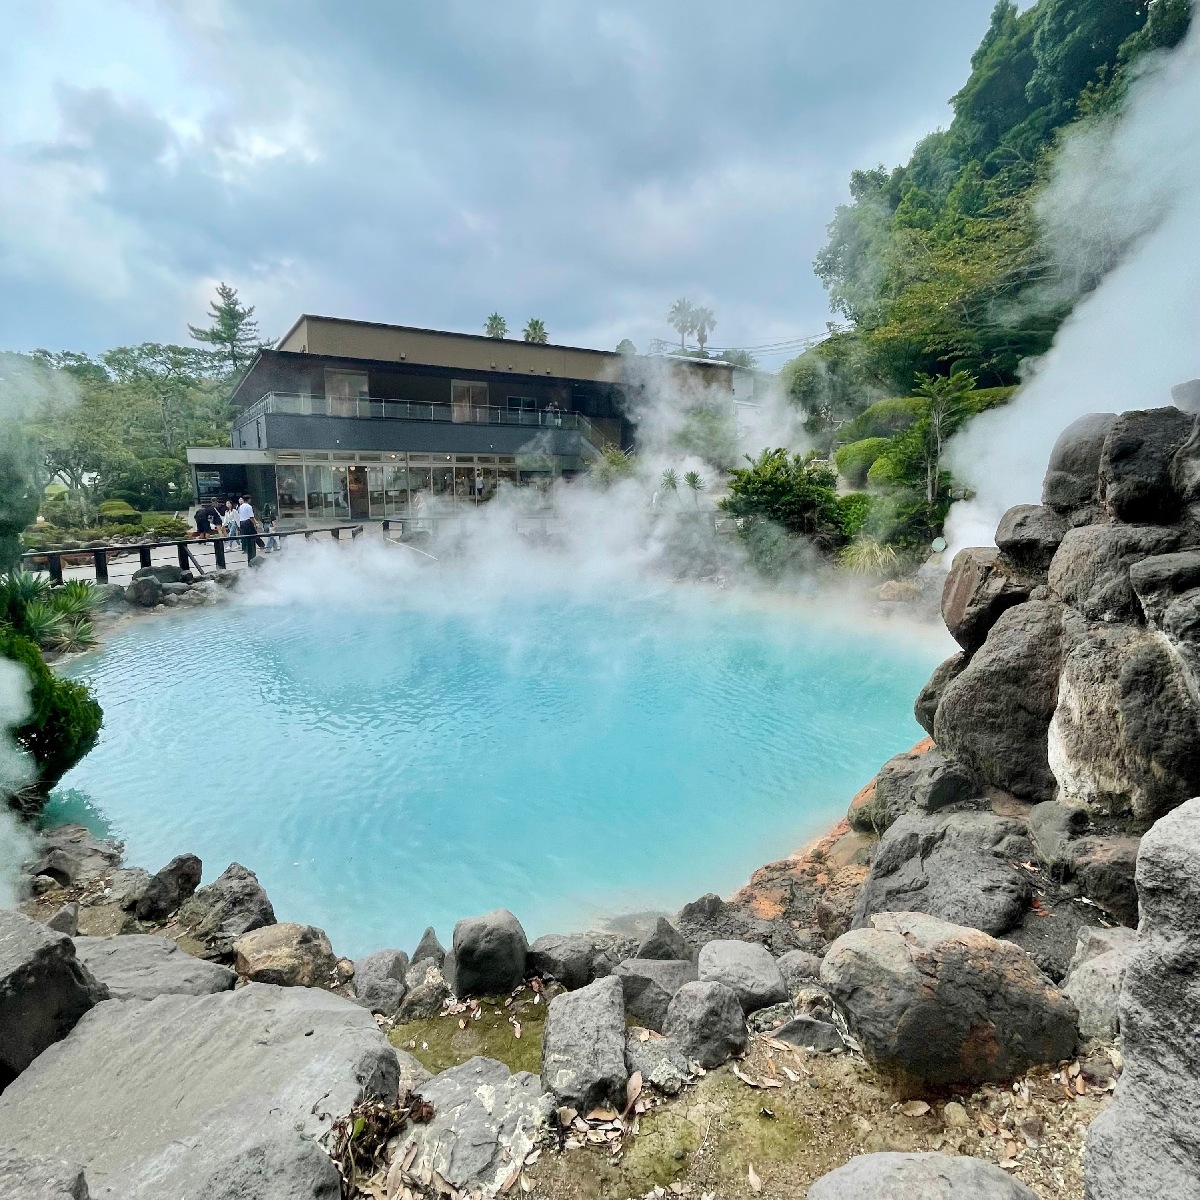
x: 1103, y: 869
x: 163, y: 572
x: 232, y: 905
x: 379, y: 981
x: 799, y: 969
x: 32, y: 1177
x: 894, y: 1176
x: 140, y: 966
x: 485, y: 1120
x: 658, y: 1060
x: 1094, y: 979
x: 145, y: 592
x: 169, y: 888
x: 810, y: 1034
x: 956, y: 867
x: 576, y: 959
x: 664, y: 942
x: 1049, y: 933
x: 705, y: 1020
x: 649, y: 984
x: 1053, y: 826
x: 127, y: 886
x: 912, y: 782
x: 204, y: 1097
x: 1090, y: 570
x: 66, y: 920
x: 747, y: 969
x: 583, y: 1047
x: 930, y: 696
x: 1158, y: 581
x: 427, y: 992
x: 1135, y: 464
x: 72, y: 854
x: 429, y: 947
x: 935, y: 1005
x: 1028, y: 535
x: 978, y: 589
x: 1124, y: 733
x: 487, y: 955
x: 1072, y: 477
x: 995, y: 716
x: 44, y: 990
x: 710, y: 917
x: 1146, y: 1144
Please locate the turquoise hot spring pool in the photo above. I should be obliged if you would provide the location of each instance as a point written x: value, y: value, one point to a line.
x: 387, y: 766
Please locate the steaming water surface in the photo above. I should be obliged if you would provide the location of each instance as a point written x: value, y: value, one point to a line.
x: 386, y: 769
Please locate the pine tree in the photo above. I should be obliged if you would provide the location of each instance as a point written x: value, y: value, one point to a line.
x: 234, y: 332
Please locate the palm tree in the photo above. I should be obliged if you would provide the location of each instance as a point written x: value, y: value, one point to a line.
x: 681, y: 317
x: 669, y: 481
x: 535, y: 331
x: 704, y: 321
x: 695, y: 481
x: 496, y: 326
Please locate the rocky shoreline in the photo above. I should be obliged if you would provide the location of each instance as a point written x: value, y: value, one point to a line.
x: 990, y: 962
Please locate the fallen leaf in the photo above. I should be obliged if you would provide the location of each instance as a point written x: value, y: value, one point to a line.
x: 526, y: 1184
x: 511, y: 1181
x: 566, y: 1115
x: 791, y: 1074
x: 602, y: 1114
x: 914, y: 1108
x: 1073, y: 1070
x: 573, y: 1144
x: 462, y: 1022
x: 644, y: 1036
x: 633, y: 1089
x: 1081, y: 1085
x: 755, y: 1182
x: 516, y: 1029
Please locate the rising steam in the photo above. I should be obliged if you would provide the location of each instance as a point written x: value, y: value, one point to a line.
x: 1128, y: 190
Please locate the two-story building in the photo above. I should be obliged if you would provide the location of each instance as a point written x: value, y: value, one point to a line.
x: 352, y: 420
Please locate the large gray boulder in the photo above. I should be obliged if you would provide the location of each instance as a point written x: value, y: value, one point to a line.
x: 809, y: 1034
x: 649, y: 984
x: 576, y: 959
x: 379, y: 981
x: 980, y: 586
x: 44, y: 990
x: 664, y: 941
x: 930, y: 696
x: 140, y: 966
x: 222, y: 911
x: 487, y: 955
x: 936, y: 1005
x: 705, y: 1020
x: 747, y: 969
x: 799, y: 969
x: 1158, y: 581
x: 145, y: 592
x: 1053, y: 828
x: 427, y: 992
x: 958, y: 867
x: 911, y: 782
x: 1146, y: 1144
x: 583, y: 1046
x: 127, y: 886
x: 485, y: 1122
x: 1094, y: 978
x: 72, y: 854
x: 994, y: 716
x: 1072, y: 479
x: 895, y: 1176
x: 1135, y: 464
x: 203, y: 1097
x: 1102, y: 868
x: 1090, y: 570
x: 1028, y: 535
x: 286, y: 954
x: 1124, y: 732
x: 32, y: 1177
x: 169, y: 888
x: 429, y: 947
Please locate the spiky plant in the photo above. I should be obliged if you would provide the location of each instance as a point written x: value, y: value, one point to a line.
x: 43, y: 623
x: 697, y: 483
x: 867, y: 556
x: 23, y: 587
x: 77, y: 634
x: 76, y: 598
x: 670, y: 480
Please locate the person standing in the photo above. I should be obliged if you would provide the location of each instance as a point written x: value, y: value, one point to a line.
x: 230, y: 520
x: 248, y: 527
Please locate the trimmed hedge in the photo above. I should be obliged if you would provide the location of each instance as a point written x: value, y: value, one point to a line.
x: 854, y: 459
x: 883, y: 419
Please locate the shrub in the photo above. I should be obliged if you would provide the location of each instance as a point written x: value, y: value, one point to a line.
x: 65, y: 722
x: 883, y: 419
x: 855, y: 458
x: 866, y: 556
x: 168, y: 527
x: 118, y: 512
x: 795, y: 491
x: 855, y: 510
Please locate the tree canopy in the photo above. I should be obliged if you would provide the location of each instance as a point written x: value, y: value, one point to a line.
x: 232, y: 330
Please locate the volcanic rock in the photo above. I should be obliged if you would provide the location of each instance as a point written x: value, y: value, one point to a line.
x: 127, y: 886
x: 648, y: 985
x: 146, y: 592
x: 1146, y: 1144
x: 1135, y: 464
x: 893, y: 1176
x: 576, y: 959
x: 32, y: 1177
x: 995, y: 715
x: 1158, y: 581
x: 487, y: 955
x: 799, y: 969
x: 232, y: 905
x: 141, y: 966
x: 1094, y: 978
x: 44, y: 990
x: 934, y: 1004
x: 957, y: 867
x: 665, y: 942
x: 930, y: 696
x: 747, y: 969
x: 912, y: 782
x: 978, y: 589
x: 1072, y: 477
x: 659, y: 1062
x: 72, y: 854
x: 203, y: 1097
x: 379, y: 981
x: 1029, y: 534
x: 66, y: 920
x: 810, y: 1034
x: 286, y: 954
x: 429, y: 947
x: 705, y: 1020
x: 427, y: 992
x: 1052, y: 828
x: 169, y: 888
x: 1102, y: 869
x: 583, y: 1047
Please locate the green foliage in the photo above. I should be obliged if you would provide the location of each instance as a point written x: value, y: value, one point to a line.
x: 232, y: 331
x: 495, y: 326
x: 670, y: 480
x: 681, y: 316
x: 65, y: 720
x: 625, y: 346
x: 535, y: 331
x: 118, y: 512
x: 739, y: 358
x: 869, y: 556
x: 42, y: 623
x: 613, y: 464
x: 710, y: 432
x: 831, y: 383
x: 76, y: 598
x: 854, y: 512
x: 855, y: 458
x: 20, y: 494
x: 152, y: 483
x: 883, y: 419
x: 795, y: 492
x: 167, y: 528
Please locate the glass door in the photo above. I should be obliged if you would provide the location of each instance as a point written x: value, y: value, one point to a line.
x: 360, y: 508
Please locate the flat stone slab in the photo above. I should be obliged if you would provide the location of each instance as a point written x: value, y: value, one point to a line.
x: 893, y: 1176
x: 32, y: 1177
x: 141, y: 966
x: 211, y: 1097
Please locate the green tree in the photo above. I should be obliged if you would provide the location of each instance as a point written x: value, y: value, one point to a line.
x: 625, y: 346
x: 704, y: 321
x: 945, y: 407
x: 681, y: 316
x: 233, y: 332
x: 535, y: 331
x: 20, y: 492
x: 696, y: 483
x: 795, y: 491
x: 739, y: 358
x: 496, y: 326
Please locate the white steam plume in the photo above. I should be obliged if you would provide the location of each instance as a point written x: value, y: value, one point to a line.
x: 1131, y: 184
x: 15, y: 772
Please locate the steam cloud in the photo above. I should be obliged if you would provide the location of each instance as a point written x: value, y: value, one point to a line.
x: 1130, y: 189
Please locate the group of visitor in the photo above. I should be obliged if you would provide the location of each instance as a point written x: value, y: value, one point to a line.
x: 235, y: 519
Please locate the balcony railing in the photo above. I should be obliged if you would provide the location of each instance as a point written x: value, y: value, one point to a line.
x: 374, y: 408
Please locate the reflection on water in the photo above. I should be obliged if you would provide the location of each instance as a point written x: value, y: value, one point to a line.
x: 386, y: 770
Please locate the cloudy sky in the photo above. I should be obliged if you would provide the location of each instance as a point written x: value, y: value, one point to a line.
x: 425, y: 163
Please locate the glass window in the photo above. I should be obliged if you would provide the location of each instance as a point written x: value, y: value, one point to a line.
x: 395, y: 491
x: 375, y: 496
x: 328, y: 498
x: 289, y: 482
x: 508, y: 475
x: 468, y: 401
x: 343, y: 390
x: 443, y: 483
x: 420, y: 486
x: 370, y: 458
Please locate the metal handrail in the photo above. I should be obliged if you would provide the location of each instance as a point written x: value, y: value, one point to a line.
x: 386, y: 408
